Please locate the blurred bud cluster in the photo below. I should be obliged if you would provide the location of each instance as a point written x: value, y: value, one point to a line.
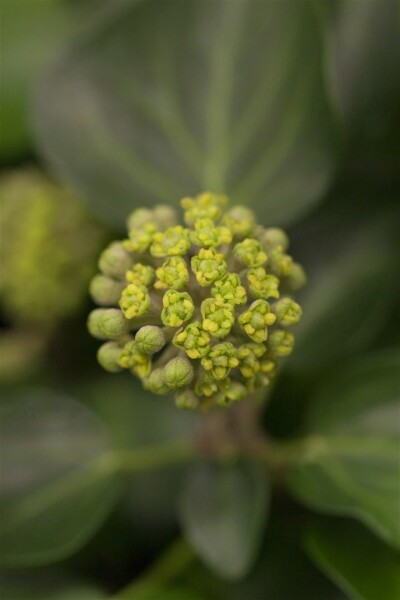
x: 47, y: 250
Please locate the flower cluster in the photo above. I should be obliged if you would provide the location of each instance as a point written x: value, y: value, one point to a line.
x: 199, y: 310
x: 47, y: 252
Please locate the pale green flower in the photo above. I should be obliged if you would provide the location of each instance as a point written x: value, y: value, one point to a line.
x: 208, y: 266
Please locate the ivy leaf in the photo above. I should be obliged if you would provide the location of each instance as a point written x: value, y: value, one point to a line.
x: 31, y: 31
x: 56, y: 585
x: 57, y: 486
x: 351, y: 467
x: 359, y: 563
x: 166, y: 99
x: 223, y: 512
x: 345, y: 303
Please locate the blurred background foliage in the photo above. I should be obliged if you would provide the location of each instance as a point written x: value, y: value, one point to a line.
x: 293, y: 109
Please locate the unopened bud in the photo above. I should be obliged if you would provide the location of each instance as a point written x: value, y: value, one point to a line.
x: 296, y: 277
x: 150, y: 339
x: 105, y: 291
x: 240, y: 221
x: 178, y: 373
x: 107, y: 323
x: 108, y: 356
x: 281, y: 343
x: 155, y: 382
x: 250, y: 253
x: 114, y: 261
x: 287, y: 311
x: 273, y: 237
x: 186, y: 400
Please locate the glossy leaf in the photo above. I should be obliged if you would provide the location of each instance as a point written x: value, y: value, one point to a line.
x: 360, y: 564
x: 351, y: 466
x: 57, y: 483
x: 348, y: 296
x: 166, y: 99
x: 223, y: 511
x: 50, y: 585
x: 31, y: 32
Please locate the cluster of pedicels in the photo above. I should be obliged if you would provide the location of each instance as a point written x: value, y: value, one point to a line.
x: 202, y: 309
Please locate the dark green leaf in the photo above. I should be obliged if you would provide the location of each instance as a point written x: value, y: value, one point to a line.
x: 57, y: 483
x: 352, y: 463
x: 49, y: 585
x: 30, y: 32
x: 223, y: 512
x: 137, y: 419
x: 168, y: 98
x: 348, y: 297
x: 364, y: 59
x: 360, y: 564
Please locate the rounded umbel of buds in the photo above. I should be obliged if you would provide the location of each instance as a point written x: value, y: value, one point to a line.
x: 198, y: 309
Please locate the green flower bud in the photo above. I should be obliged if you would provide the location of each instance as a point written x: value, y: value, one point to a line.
x: 250, y: 253
x: 229, y: 289
x: 186, y: 399
x: 296, y: 277
x: 175, y: 241
x: 141, y: 238
x: 220, y: 360
x: 230, y: 391
x: 178, y: 308
x: 165, y: 216
x: 204, y: 206
x: 155, y: 382
x: 208, y: 266
x: 178, y: 373
x: 138, y: 363
x: 280, y: 263
x: 249, y: 358
x: 281, y: 343
x: 287, y: 311
x: 193, y: 340
x: 108, y: 356
x: 206, y: 385
x: 150, y: 339
x: 138, y: 218
x: 115, y: 261
x: 173, y: 273
x: 261, y: 285
x: 107, y: 323
x: 255, y: 320
x: 201, y: 304
x: 218, y: 319
x: 105, y: 291
x: 140, y: 274
x: 207, y: 234
x: 272, y: 237
x: 135, y: 301
x: 240, y: 221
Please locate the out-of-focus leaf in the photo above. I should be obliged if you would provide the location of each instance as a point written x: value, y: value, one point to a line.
x: 364, y: 59
x: 347, y: 298
x: 136, y: 419
x: 352, y: 466
x: 282, y: 571
x: 168, y: 98
x: 359, y: 563
x: 30, y: 33
x: 223, y: 511
x: 57, y: 483
x: 52, y: 586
